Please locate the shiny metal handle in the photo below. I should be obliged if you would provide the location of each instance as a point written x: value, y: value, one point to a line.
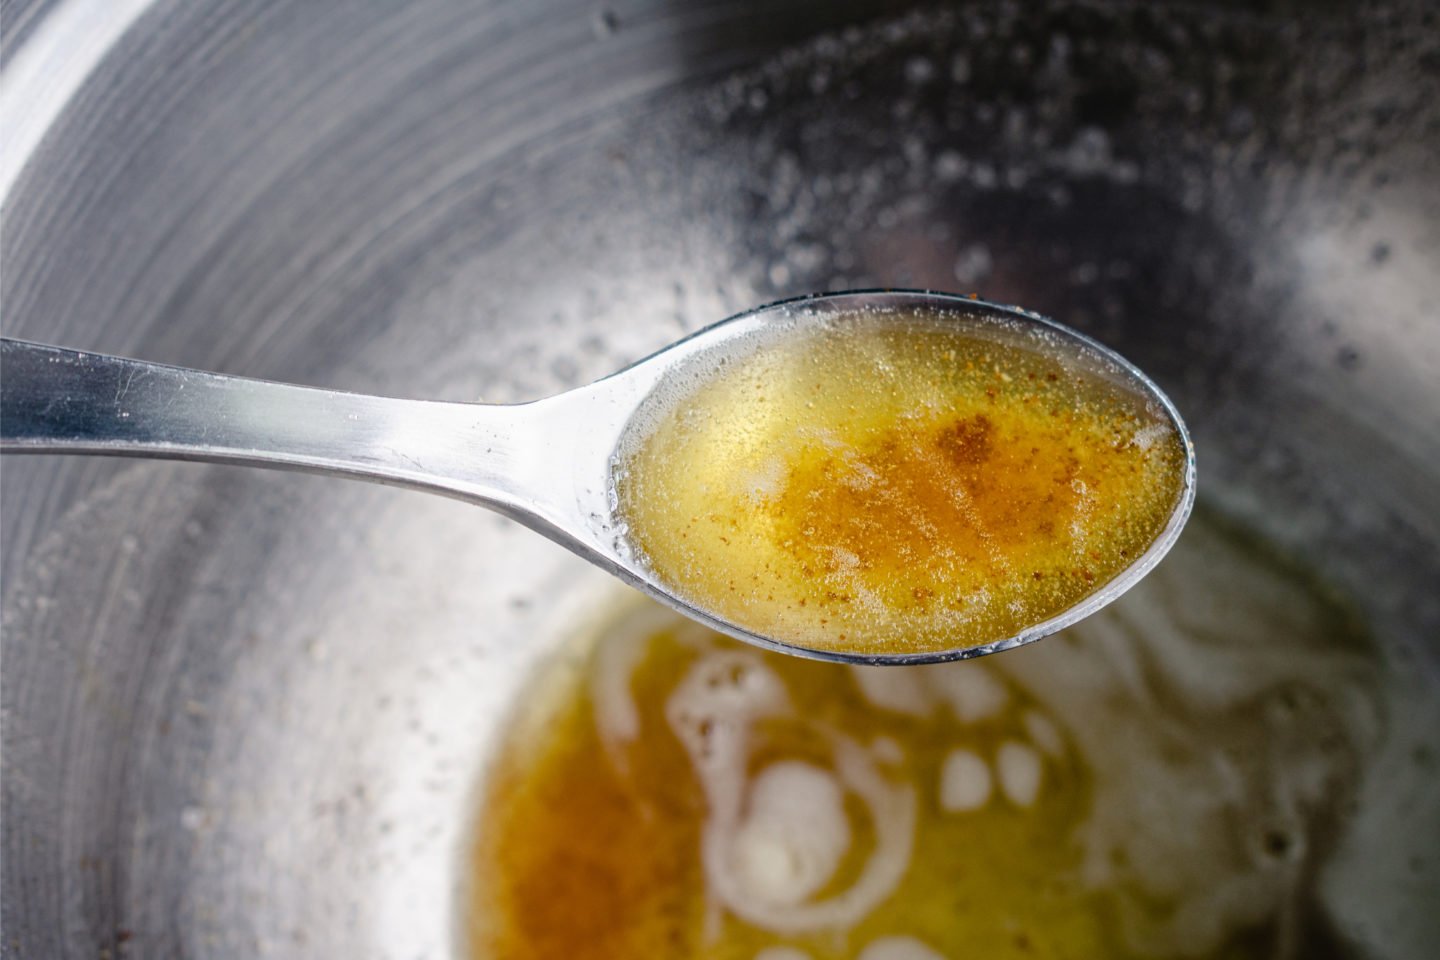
x: 55, y: 400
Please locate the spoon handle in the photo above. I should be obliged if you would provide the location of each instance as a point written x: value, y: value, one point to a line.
x: 56, y: 400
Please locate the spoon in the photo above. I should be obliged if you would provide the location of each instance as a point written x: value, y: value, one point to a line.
x: 550, y: 464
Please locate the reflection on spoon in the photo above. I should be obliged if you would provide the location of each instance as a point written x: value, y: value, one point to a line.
x: 878, y: 477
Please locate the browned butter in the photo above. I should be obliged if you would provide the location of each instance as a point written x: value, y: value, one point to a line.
x: 896, y: 485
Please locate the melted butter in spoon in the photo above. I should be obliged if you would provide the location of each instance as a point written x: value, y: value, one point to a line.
x: 884, y: 485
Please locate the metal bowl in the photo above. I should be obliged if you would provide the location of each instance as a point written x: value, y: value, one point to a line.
x: 247, y: 714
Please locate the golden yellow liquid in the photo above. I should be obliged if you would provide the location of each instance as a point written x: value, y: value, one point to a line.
x: 892, y: 486
x: 1196, y: 748
x: 592, y: 853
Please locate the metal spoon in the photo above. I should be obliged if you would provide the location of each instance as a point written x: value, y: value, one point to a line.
x: 547, y: 464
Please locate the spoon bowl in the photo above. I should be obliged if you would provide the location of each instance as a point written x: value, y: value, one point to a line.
x: 551, y: 464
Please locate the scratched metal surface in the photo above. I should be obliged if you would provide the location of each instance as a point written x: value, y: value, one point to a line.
x: 245, y: 713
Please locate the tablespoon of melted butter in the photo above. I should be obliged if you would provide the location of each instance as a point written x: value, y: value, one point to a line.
x: 878, y: 476
x: 903, y: 483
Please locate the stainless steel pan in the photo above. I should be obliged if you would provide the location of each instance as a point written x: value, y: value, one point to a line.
x: 246, y: 714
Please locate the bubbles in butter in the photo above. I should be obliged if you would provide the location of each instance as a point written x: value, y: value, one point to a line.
x: 1168, y: 779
